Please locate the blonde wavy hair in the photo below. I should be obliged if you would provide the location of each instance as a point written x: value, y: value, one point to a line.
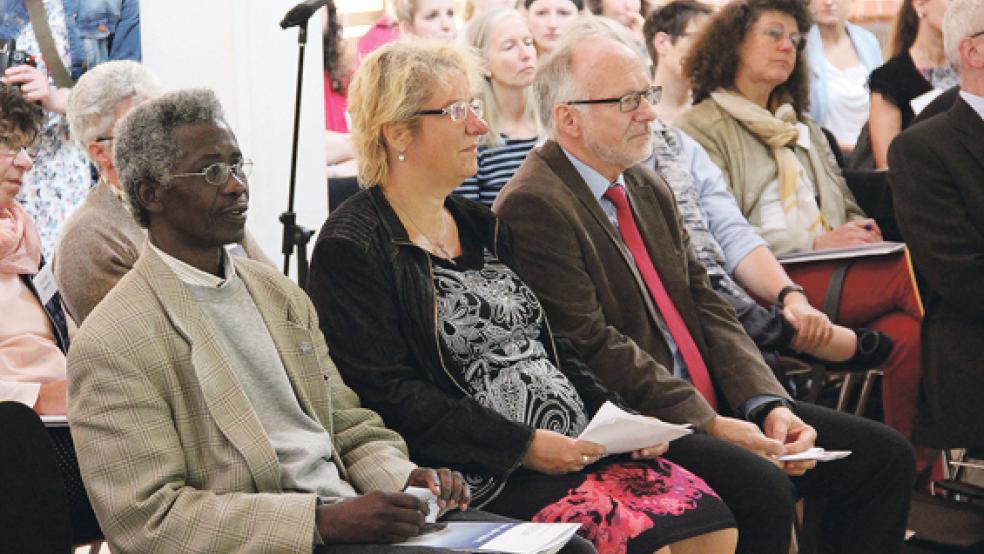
x: 391, y: 85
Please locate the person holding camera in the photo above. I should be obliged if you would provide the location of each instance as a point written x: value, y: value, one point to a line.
x: 65, y: 39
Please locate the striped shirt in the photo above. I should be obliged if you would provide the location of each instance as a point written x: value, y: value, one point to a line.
x: 496, y: 165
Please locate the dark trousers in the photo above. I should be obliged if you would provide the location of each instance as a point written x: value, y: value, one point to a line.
x: 866, y: 494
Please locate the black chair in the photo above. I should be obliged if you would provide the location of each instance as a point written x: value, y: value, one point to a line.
x: 340, y: 189
x: 33, y: 502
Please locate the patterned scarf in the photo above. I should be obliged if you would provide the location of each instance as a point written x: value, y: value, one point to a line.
x: 779, y: 132
x: 20, y: 244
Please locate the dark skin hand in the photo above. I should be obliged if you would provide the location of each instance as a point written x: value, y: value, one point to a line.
x: 390, y: 517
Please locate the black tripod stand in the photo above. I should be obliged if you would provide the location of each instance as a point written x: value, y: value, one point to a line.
x: 296, y: 236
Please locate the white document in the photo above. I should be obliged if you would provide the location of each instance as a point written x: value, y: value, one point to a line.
x: 498, y: 536
x: 816, y: 453
x: 54, y: 420
x: 843, y: 253
x: 45, y: 284
x: 920, y: 102
x: 619, y: 431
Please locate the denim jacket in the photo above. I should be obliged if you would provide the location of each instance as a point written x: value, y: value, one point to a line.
x: 98, y: 30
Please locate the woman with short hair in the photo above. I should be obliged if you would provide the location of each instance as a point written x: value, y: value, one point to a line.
x: 549, y: 19
x: 427, y: 18
x: 427, y: 319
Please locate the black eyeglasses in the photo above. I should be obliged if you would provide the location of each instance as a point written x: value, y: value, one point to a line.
x: 218, y: 173
x: 105, y: 139
x: 457, y: 111
x: 11, y: 146
x: 628, y: 102
x: 977, y: 34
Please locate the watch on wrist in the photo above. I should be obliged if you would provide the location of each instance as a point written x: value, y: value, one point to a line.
x: 758, y: 415
x: 781, y: 297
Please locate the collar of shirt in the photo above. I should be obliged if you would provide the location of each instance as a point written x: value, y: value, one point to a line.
x: 596, y: 181
x: 975, y: 101
x: 191, y: 275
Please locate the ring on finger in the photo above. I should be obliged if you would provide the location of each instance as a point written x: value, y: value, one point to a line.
x: 585, y: 459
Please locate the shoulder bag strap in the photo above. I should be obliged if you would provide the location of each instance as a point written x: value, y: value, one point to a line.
x: 42, y: 31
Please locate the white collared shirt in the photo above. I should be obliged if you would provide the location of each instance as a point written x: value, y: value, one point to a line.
x: 975, y: 101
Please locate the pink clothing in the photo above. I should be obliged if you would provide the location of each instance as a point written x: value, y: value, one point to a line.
x: 384, y: 31
x: 335, y: 105
x: 29, y: 354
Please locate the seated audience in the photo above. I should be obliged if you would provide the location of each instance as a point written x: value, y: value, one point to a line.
x: 208, y: 413
x: 430, y: 323
x: 427, y: 18
x: 918, y: 66
x: 751, y: 87
x: 936, y: 171
x: 101, y: 241
x: 504, y: 41
x: 668, y: 32
x: 34, y: 332
x: 599, y: 240
x: 549, y: 19
x: 841, y: 56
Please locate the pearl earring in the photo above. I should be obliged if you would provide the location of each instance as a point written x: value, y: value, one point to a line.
x: 401, y: 157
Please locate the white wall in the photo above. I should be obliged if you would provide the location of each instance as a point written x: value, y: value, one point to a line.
x: 237, y: 48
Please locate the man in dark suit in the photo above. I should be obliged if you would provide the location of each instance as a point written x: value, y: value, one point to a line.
x: 625, y: 286
x: 937, y: 176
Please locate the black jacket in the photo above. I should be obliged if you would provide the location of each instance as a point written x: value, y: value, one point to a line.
x: 373, y: 290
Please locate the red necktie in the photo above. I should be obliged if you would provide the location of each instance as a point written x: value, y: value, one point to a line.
x: 678, y: 329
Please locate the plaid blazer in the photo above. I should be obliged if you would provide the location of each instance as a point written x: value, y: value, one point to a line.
x: 172, y: 454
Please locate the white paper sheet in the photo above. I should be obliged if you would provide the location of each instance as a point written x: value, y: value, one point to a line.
x: 619, y: 431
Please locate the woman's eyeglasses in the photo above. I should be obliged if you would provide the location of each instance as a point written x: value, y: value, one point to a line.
x: 778, y: 33
x: 11, y: 146
x: 457, y: 111
x: 627, y: 102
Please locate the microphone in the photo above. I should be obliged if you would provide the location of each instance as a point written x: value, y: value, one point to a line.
x: 299, y: 14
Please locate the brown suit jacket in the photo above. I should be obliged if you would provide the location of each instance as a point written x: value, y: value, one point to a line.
x: 937, y: 178
x: 573, y: 258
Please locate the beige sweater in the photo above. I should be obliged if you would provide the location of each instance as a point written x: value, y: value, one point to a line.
x: 99, y: 244
x: 749, y: 168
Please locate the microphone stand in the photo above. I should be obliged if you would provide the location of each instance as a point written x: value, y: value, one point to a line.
x: 296, y: 236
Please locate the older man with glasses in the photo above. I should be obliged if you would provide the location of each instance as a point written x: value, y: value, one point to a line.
x: 208, y: 413
x: 100, y: 241
x: 601, y: 242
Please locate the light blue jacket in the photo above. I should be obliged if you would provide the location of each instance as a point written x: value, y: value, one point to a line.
x: 865, y: 44
x: 98, y: 30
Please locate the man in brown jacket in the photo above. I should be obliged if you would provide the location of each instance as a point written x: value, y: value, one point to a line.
x: 596, y: 283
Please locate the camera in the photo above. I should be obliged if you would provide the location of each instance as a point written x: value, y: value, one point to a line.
x: 11, y: 56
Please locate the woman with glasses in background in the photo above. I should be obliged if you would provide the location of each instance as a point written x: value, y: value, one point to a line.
x: 505, y: 43
x: 751, y: 89
x: 428, y: 321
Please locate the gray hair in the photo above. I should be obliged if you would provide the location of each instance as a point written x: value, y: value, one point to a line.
x: 962, y: 19
x: 145, y: 150
x: 554, y: 82
x: 92, y: 106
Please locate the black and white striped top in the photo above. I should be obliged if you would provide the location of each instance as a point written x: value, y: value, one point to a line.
x: 496, y: 165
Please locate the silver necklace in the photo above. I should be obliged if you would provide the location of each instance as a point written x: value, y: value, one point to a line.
x: 433, y: 244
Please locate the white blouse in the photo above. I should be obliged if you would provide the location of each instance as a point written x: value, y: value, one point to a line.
x: 847, y: 101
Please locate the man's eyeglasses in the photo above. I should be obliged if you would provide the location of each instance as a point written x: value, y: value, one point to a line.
x: 218, y: 173
x: 628, y: 102
x: 778, y: 33
x: 457, y: 111
x: 977, y: 34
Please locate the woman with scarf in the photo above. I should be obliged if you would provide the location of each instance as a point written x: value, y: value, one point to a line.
x: 751, y: 92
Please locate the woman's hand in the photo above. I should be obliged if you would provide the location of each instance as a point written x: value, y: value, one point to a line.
x: 852, y: 233
x: 554, y: 453
x: 34, y: 86
x: 651, y: 452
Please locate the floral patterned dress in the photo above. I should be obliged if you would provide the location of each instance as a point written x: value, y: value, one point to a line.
x: 61, y: 176
x: 490, y: 323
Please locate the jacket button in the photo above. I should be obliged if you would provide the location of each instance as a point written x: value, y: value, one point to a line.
x: 306, y: 349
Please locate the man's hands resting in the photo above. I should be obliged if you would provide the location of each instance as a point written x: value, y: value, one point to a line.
x: 785, y: 433
x: 390, y: 517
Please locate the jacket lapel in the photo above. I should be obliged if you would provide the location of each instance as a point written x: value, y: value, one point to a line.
x: 969, y: 127
x: 223, y: 394
x: 564, y: 169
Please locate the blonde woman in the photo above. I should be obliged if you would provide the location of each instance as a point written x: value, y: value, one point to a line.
x: 509, y: 60
x: 427, y: 18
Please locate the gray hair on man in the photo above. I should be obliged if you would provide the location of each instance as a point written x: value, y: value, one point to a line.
x: 146, y: 151
x: 92, y: 107
x: 554, y: 82
x: 962, y: 19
